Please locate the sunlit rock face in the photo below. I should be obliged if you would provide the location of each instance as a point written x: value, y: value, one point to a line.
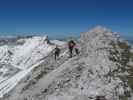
x: 107, y: 55
x: 97, y: 38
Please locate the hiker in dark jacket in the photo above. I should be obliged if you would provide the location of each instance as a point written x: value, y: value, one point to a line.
x: 56, y: 52
x: 10, y: 53
x: 47, y: 40
x: 71, y: 45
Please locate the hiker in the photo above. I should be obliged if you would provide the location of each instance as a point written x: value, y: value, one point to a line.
x: 10, y: 53
x: 47, y: 40
x: 56, y: 52
x: 71, y: 45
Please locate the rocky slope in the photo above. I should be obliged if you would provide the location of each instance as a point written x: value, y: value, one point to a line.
x: 103, y: 68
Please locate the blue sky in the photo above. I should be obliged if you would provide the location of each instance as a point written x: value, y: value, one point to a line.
x: 60, y: 18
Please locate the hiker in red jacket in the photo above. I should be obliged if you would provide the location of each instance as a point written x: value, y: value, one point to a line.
x: 71, y: 45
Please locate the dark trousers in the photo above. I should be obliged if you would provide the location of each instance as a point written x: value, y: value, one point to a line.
x: 71, y: 52
x: 56, y: 55
x: 77, y: 51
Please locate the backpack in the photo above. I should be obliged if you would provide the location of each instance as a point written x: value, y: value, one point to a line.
x: 71, y: 44
x: 57, y: 50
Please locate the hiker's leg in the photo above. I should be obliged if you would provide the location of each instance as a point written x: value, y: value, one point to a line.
x: 70, y: 51
x: 55, y: 56
x: 77, y: 51
x: 58, y: 54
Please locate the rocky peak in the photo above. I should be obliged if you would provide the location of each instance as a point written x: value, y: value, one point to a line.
x: 99, y: 29
x: 96, y: 38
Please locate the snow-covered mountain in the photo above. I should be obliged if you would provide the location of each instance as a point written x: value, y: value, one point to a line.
x: 103, y: 69
x: 17, y: 61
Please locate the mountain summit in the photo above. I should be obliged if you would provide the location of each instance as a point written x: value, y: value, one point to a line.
x: 104, y: 69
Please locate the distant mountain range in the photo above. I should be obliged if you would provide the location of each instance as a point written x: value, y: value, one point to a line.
x: 12, y: 39
x: 130, y: 41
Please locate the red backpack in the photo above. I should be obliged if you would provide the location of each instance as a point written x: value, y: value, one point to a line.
x: 72, y: 44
